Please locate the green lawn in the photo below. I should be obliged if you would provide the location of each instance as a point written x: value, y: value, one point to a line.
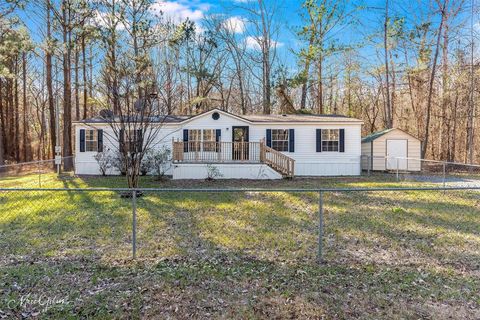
x: 412, y: 254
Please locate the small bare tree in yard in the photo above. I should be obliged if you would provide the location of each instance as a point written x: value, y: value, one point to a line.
x: 136, y: 129
x: 129, y: 88
x: 136, y: 124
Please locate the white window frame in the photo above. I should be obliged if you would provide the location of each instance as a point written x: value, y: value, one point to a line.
x: 284, y: 142
x: 91, y: 143
x: 329, y: 142
x: 209, y: 145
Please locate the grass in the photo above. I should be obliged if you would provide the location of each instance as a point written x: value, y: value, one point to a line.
x: 412, y: 254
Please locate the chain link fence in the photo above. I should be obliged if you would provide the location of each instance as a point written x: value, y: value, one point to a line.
x: 34, y: 174
x: 291, y: 224
x: 429, y: 172
x: 178, y: 253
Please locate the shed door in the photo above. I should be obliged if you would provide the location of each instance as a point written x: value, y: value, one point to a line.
x: 396, y: 149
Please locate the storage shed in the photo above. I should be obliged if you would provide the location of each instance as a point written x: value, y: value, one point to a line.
x: 389, y: 148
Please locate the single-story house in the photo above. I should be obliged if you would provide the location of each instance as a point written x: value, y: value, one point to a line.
x: 389, y: 149
x: 240, y: 146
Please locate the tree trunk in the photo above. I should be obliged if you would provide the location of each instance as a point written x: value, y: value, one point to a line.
x: 16, y: 125
x: 49, y: 83
x: 2, y: 126
x: 388, y: 107
x: 67, y: 90
x: 76, y: 85
x: 471, y: 102
x: 431, y: 83
x: 320, y: 86
x: 445, y: 97
x: 84, y: 74
x: 27, y: 147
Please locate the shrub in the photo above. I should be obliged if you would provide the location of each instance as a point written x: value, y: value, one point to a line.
x: 159, y: 161
x: 146, y: 164
x: 119, y: 163
x: 105, y: 161
x: 213, y: 173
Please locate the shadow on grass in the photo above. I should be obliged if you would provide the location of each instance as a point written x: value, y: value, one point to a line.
x: 242, y: 255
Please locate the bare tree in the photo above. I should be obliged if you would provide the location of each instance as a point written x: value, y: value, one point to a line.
x: 136, y: 125
x: 323, y: 20
x: 262, y: 15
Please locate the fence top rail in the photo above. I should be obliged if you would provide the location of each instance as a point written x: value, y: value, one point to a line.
x: 30, y: 162
x: 423, y: 160
x: 232, y: 190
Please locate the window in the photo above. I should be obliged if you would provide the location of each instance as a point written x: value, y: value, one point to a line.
x: 209, y: 140
x: 280, y: 139
x: 91, y: 140
x: 197, y: 136
x: 330, y: 139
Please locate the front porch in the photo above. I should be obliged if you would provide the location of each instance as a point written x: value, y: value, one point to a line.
x: 196, y: 152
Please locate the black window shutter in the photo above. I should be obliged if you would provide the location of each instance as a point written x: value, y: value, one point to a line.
x: 139, y: 140
x: 341, y: 147
x: 291, y: 140
x: 82, y: 140
x: 319, y: 140
x: 218, y: 134
x: 185, y: 140
x: 269, y: 138
x: 100, y: 140
x: 121, y: 139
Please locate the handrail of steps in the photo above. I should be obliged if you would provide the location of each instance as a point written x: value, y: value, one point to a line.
x: 277, y: 161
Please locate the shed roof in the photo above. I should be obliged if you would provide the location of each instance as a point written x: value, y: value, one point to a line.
x: 375, y: 135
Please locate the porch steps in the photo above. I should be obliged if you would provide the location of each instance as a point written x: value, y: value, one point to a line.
x: 277, y: 161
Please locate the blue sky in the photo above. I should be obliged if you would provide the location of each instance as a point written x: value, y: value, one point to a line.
x: 369, y: 20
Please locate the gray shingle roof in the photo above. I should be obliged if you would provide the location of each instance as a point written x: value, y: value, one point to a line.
x: 258, y: 118
x: 299, y: 118
x: 376, y: 135
x: 161, y: 119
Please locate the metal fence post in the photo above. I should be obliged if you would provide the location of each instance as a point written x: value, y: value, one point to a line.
x: 320, y: 227
x: 39, y: 175
x: 369, y: 160
x: 398, y: 176
x: 444, y: 175
x: 134, y: 223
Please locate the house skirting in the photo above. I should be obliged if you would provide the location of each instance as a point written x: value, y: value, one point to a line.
x: 257, y: 171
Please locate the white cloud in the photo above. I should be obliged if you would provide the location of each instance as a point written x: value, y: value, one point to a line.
x: 253, y: 43
x: 235, y: 24
x: 181, y: 10
x: 102, y: 19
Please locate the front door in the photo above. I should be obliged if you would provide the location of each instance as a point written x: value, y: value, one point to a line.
x: 240, y: 150
x: 396, y: 154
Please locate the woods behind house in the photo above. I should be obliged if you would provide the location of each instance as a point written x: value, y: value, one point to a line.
x: 413, y: 66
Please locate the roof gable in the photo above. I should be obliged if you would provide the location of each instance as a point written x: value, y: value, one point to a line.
x: 209, y: 112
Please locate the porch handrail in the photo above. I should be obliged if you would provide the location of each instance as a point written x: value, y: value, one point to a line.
x: 224, y: 152
x: 277, y: 160
x: 216, y: 152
